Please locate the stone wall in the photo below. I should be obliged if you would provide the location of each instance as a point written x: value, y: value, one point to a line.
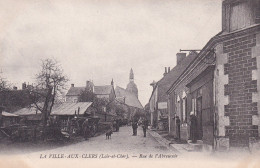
x: 220, y: 80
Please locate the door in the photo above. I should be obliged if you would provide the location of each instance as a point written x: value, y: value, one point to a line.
x: 199, y: 117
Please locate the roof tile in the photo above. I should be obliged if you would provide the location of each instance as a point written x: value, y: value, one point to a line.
x: 103, y: 90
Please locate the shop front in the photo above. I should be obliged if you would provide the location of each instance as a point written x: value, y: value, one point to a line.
x: 202, y: 104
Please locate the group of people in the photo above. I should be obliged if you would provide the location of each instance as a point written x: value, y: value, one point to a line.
x: 144, y: 124
x: 193, y: 127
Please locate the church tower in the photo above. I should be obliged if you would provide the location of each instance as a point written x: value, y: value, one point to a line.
x: 131, y: 86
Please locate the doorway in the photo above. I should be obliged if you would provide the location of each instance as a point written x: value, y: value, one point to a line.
x: 199, y: 118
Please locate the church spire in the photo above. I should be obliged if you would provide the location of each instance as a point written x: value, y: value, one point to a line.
x: 131, y: 87
x: 112, y: 82
x: 131, y: 76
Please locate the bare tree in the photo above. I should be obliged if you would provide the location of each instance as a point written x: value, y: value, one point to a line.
x: 51, y: 82
x: 3, y: 83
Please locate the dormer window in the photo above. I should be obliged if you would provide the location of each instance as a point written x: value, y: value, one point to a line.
x: 239, y: 14
x: 257, y: 12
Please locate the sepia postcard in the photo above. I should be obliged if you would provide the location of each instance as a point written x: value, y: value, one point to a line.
x: 129, y: 83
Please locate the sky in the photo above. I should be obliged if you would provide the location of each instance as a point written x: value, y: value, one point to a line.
x: 103, y: 39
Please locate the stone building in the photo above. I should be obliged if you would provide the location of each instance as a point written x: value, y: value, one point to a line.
x: 105, y: 91
x: 130, y: 100
x: 221, y: 84
x: 158, y: 101
x: 129, y: 97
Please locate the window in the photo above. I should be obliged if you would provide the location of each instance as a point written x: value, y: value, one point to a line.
x: 194, y: 106
x: 257, y: 12
x: 240, y: 15
x: 184, y: 107
x: 181, y: 110
x: 184, y: 110
x: 178, y: 105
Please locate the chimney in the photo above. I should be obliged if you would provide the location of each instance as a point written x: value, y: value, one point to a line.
x: 24, y: 86
x: 169, y: 69
x: 180, y: 57
x: 165, y: 72
x: 88, y: 87
x: 153, y: 84
x: 72, y: 85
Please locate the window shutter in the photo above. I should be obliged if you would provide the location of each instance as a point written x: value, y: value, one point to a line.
x: 257, y: 13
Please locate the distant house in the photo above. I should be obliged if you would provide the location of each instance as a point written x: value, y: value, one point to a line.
x: 73, y: 93
x: 105, y: 91
x: 67, y: 111
x: 64, y: 111
x: 30, y: 116
x: 159, y: 100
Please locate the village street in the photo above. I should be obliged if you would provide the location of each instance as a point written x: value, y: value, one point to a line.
x: 121, y: 142
x: 98, y: 151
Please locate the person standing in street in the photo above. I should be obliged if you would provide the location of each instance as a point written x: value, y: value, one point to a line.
x: 178, y: 125
x: 134, y: 126
x: 144, y: 125
x: 193, y: 127
x: 117, y: 125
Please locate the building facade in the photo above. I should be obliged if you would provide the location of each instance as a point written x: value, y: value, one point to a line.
x: 105, y: 91
x: 158, y: 101
x: 129, y: 98
x: 221, y: 85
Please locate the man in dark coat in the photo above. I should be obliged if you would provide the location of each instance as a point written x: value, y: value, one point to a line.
x: 193, y: 127
x: 134, y: 126
x: 117, y: 125
x: 144, y: 125
x: 178, y: 126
